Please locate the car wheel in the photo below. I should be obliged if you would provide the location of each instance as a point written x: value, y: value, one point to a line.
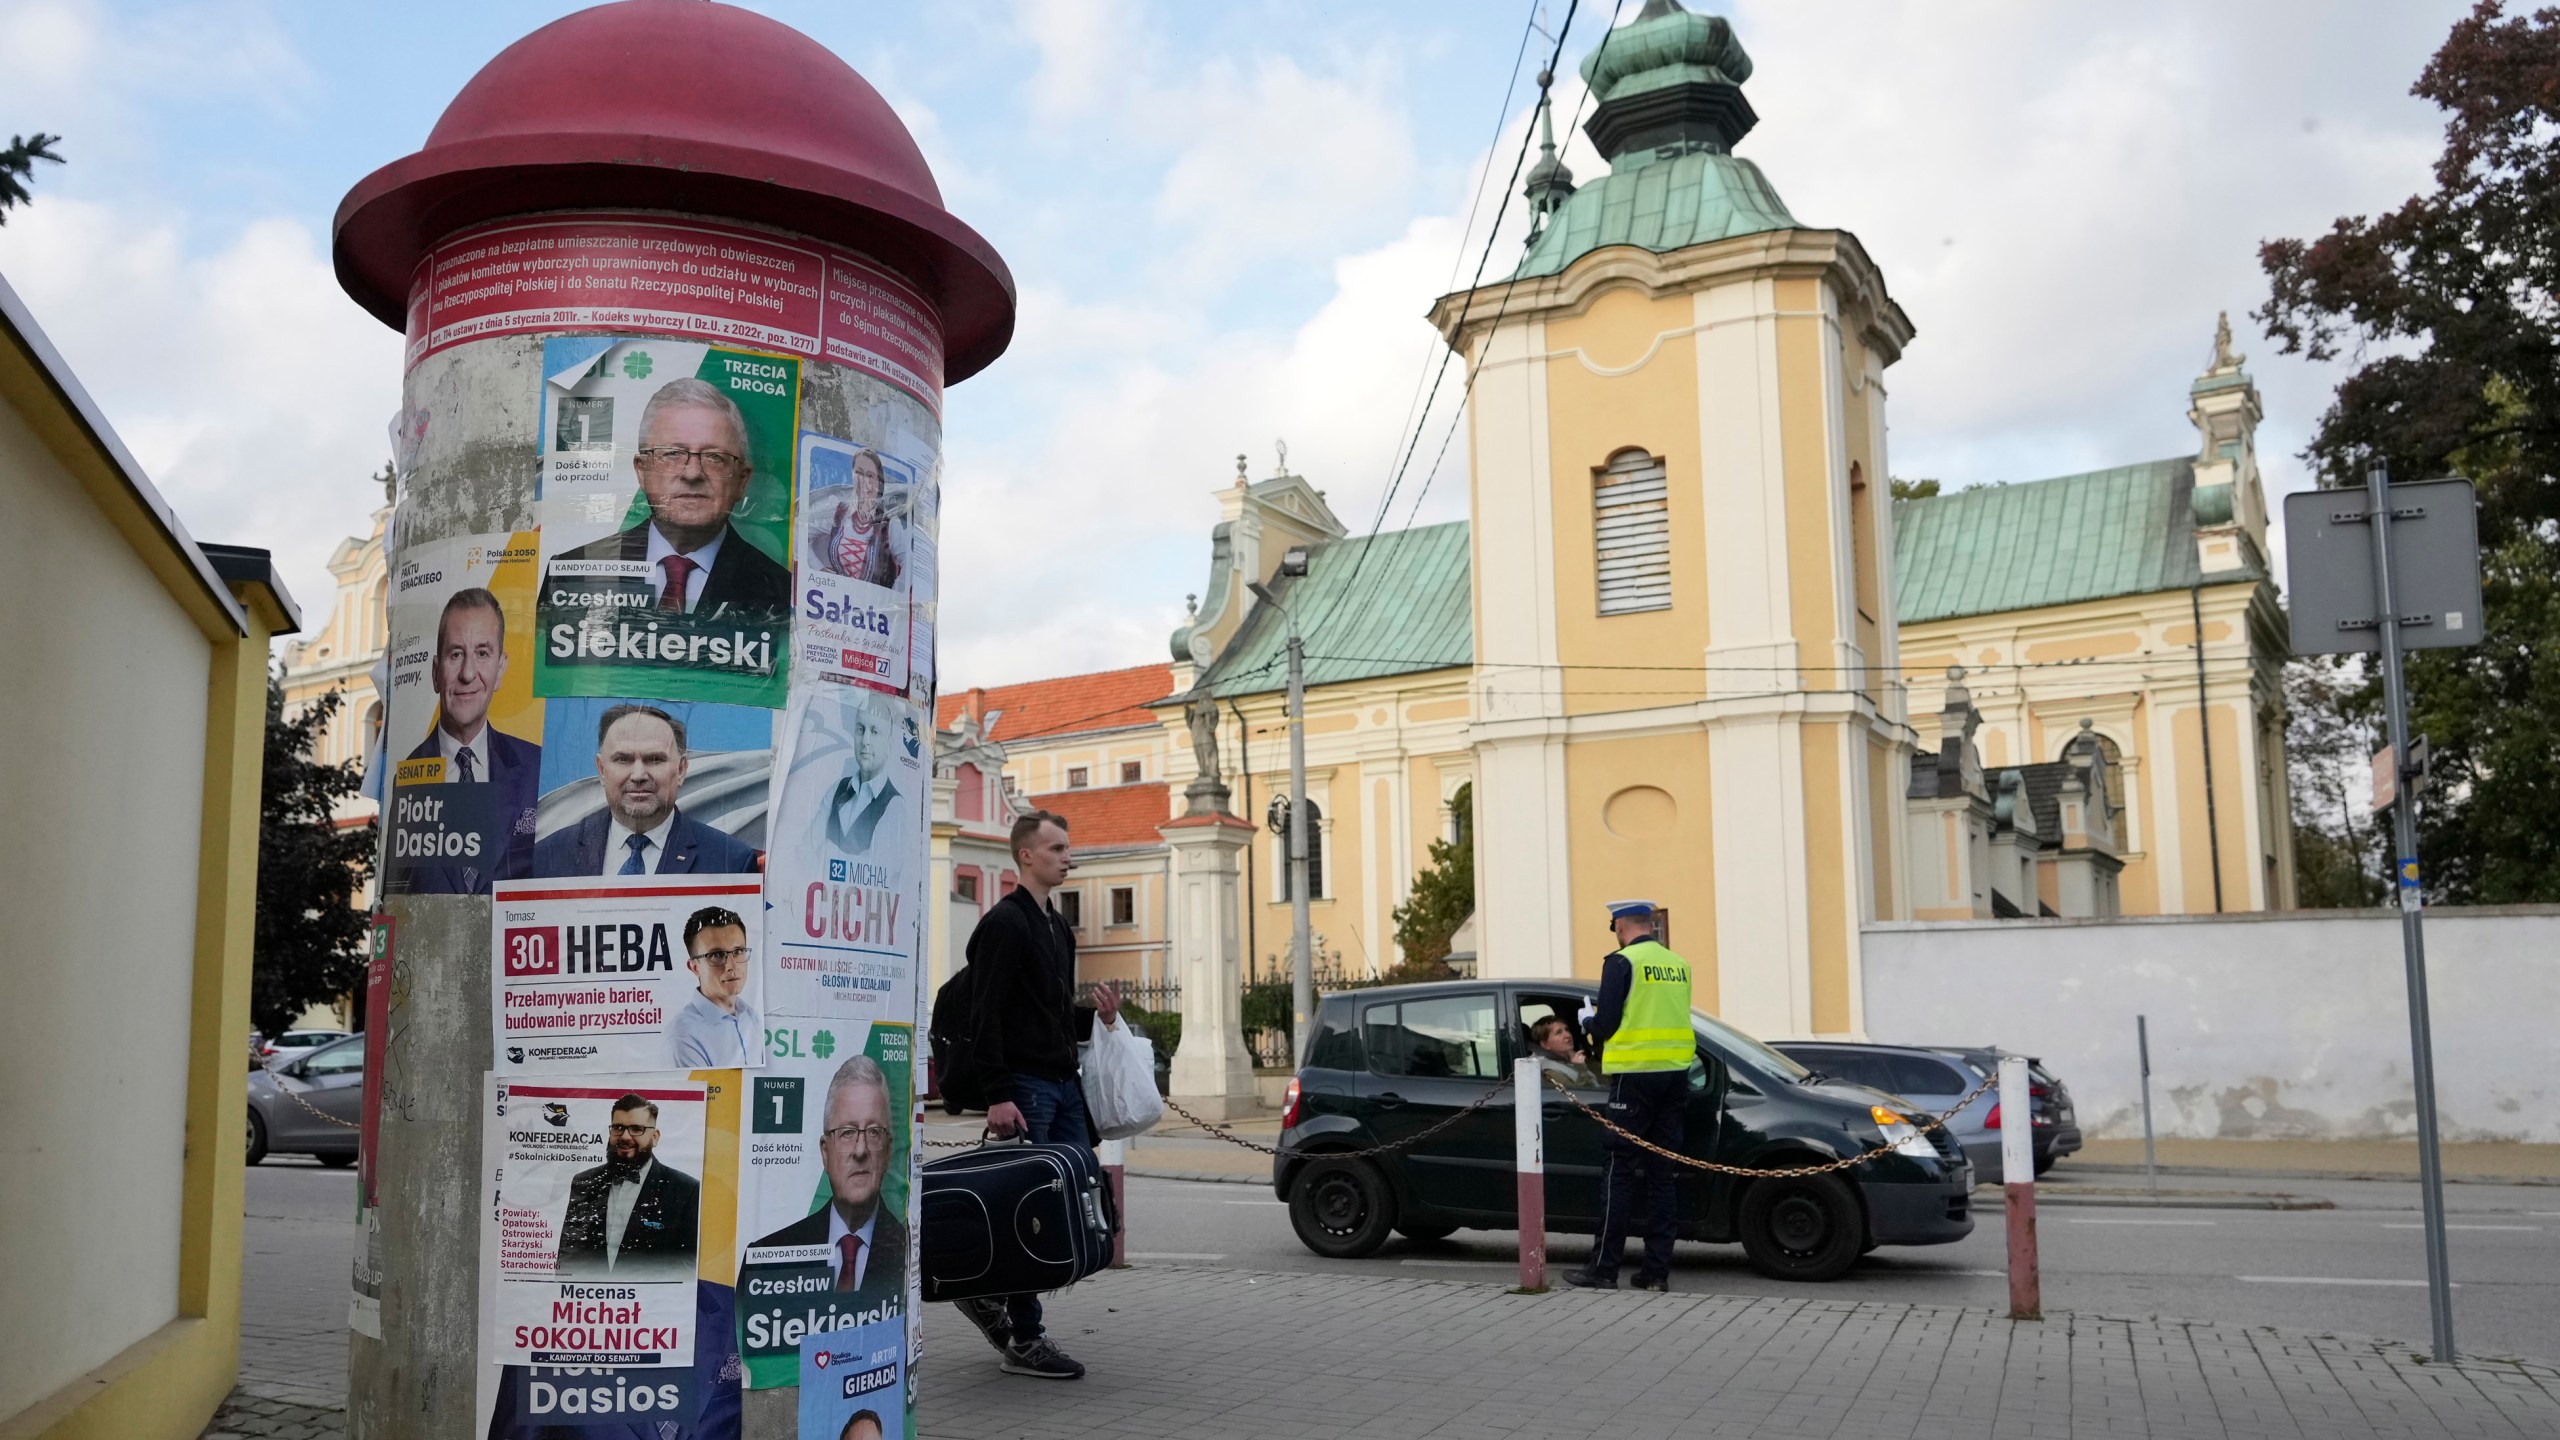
x: 1342, y: 1209
x: 1806, y: 1227
x: 257, y: 1138
x: 2046, y: 1162
x: 953, y: 1107
x: 336, y: 1162
x: 1426, y: 1232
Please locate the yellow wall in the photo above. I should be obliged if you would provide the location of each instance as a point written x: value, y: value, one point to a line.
x: 1591, y: 417
x: 1659, y: 845
x: 1804, y: 428
x: 1828, y: 909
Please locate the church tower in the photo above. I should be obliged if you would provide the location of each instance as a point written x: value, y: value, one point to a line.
x: 1684, y: 646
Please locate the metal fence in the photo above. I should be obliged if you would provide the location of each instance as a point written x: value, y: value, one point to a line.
x: 1266, y: 1012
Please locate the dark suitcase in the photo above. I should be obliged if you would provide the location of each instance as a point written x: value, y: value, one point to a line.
x: 1013, y: 1219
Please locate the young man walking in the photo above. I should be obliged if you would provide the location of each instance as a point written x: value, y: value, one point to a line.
x: 1025, y: 1030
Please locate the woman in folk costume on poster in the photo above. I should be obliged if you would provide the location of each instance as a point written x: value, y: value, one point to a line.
x: 857, y: 544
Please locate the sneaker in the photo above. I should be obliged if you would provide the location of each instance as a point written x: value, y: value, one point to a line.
x: 992, y: 1320
x: 1590, y: 1280
x: 1041, y: 1359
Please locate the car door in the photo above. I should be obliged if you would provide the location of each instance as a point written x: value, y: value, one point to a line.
x: 1571, y: 1139
x: 332, y: 1082
x: 1431, y: 1056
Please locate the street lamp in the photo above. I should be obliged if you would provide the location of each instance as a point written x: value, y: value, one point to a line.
x: 1294, y: 823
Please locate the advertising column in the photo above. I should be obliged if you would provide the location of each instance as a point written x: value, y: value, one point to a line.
x: 642, y: 1140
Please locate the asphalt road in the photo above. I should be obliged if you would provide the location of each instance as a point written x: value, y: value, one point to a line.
x: 2357, y: 1269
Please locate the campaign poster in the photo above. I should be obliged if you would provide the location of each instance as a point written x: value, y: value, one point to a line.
x: 364, y: 1301
x: 853, y: 1383
x: 859, y: 508
x: 462, y: 729
x: 581, y: 1273
x: 829, y: 1132
x: 652, y: 787
x: 695, y: 1401
x: 665, y: 497
x: 624, y: 973
x: 844, y: 873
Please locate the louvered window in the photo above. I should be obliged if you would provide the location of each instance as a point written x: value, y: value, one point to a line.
x: 1632, y: 514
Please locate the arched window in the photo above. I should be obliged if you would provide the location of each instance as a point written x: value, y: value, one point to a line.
x: 1462, y: 814
x: 1316, y: 888
x: 1631, y: 530
x: 372, y: 725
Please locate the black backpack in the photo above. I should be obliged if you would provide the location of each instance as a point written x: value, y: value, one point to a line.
x: 955, y: 1052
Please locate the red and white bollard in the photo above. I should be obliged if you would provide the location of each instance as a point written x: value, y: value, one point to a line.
x: 2018, y: 1185
x: 1114, y: 1155
x: 1529, y: 1142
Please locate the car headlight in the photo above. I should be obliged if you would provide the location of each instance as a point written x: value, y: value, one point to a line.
x: 1905, y: 1136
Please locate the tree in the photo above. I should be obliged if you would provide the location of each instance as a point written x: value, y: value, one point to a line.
x: 310, y: 938
x: 18, y: 166
x: 1443, y: 896
x: 2445, y: 306
x: 1911, y: 489
x: 2328, y: 743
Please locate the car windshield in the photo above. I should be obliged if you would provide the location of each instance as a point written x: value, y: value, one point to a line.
x: 1734, y: 1043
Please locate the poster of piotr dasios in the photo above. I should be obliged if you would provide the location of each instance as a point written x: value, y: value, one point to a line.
x: 666, y: 519
x: 463, y: 731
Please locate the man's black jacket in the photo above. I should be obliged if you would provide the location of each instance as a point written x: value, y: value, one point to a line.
x: 1027, y: 1021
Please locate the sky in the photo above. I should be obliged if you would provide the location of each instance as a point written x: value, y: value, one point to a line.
x: 1226, y: 223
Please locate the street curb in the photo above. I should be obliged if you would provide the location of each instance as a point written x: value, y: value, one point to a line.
x: 1197, y: 1177
x: 2047, y: 1198
x: 2226, y: 1172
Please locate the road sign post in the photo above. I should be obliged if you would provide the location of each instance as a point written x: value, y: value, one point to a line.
x: 2398, y: 571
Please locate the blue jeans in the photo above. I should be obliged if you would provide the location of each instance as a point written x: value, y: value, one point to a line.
x: 1054, y: 1109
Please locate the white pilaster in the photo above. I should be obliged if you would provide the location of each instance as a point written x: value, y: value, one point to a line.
x: 1212, y: 1074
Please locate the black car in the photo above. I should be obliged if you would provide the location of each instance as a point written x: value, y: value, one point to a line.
x: 1387, y: 1064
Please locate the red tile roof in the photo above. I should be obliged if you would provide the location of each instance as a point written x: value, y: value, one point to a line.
x: 1066, y: 705
x: 1110, y: 816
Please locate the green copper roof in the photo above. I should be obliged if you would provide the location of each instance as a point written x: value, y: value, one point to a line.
x: 2125, y: 531
x: 1684, y: 200
x: 1410, y: 609
x: 1662, y: 47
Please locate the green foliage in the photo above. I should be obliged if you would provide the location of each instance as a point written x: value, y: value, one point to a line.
x: 1164, y: 1027
x: 2329, y: 740
x: 2444, y: 305
x: 1913, y: 489
x: 310, y: 931
x: 18, y: 166
x: 1443, y: 896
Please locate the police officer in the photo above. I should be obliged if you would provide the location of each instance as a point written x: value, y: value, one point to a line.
x: 1646, y: 1047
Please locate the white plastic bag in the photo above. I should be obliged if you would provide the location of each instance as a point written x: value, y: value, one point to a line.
x: 1120, y: 1081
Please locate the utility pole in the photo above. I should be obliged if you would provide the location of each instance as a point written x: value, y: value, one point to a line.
x: 2413, y: 941
x: 1302, y: 993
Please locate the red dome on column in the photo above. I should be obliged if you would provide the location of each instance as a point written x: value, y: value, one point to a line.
x: 679, y: 105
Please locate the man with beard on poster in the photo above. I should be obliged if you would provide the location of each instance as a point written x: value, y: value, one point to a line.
x: 641, y: 760
x: 631, y: 1217
x: 868, y: 1263
x: 692, y: 463
x: 469, y: 663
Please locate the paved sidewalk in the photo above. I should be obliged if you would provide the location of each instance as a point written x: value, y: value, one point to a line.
x: 1209, y: 1353
x: 249, y: 1417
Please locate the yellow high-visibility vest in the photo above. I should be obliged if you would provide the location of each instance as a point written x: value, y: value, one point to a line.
x: 1653, y: 1035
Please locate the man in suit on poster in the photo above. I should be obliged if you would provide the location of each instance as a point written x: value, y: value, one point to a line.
x: 866, y: 1241
x: 631, y: 1217
x: 692, y: 463
x: 640, y: 757
x: 469, y: 663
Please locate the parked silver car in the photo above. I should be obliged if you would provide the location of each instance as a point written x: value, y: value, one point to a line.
x: 1934, y: 1079
x: 310, y: 1105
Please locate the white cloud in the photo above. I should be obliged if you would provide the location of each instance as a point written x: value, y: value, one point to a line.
x: 253, y: 393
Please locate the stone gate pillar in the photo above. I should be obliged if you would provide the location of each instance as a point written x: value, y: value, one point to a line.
x: 680, y: 298
x: 1212, y: 1074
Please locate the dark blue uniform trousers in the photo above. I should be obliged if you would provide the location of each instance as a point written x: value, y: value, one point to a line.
x: 1652, y: 1105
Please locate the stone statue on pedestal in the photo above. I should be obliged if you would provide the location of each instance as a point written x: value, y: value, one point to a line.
x: 1208, y: 793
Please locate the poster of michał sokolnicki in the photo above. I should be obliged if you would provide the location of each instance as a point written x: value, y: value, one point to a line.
x: 825, y: 1188
x: 623, y: 973
x: 844, y: 870
x: 462, y: 729
x: 591, y: 1220
x: 666, y: 519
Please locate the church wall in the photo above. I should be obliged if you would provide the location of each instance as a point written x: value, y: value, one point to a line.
x: 1620, y: 375
x: 1885, y: 776
x: 1830, y: 918
x: 1815, y: 477
x: 1642, y: 827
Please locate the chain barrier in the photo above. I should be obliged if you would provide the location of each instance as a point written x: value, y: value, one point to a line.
x: 1221, y: 1132
x: 316, y: 1110
x: 1934, y: 1122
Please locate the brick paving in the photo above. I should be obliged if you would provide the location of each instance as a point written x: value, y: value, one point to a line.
x: 1217, y: 1353
x: 251, y: 1417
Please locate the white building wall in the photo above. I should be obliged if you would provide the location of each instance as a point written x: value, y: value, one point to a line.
x: 2282, y: 1026
x: 101, y: 781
